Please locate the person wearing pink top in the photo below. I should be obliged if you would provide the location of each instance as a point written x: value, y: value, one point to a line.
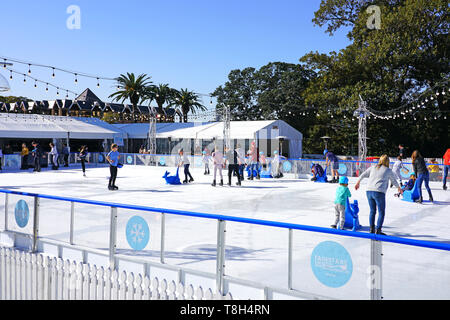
x: 218, y: 161
x: 253, y: 161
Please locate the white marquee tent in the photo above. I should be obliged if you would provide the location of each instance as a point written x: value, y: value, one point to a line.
x: 30, y: 126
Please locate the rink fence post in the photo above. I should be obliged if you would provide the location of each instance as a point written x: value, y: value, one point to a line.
x: 72, y: 219
x: 163, y: 236
x: 220, y: 268
x: 376, y: 275
x: 290, y: 249
x: 113, y: 238
x: 35, y: 223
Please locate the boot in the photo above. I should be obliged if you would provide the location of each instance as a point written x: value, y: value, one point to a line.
x: 420, y: 200
x: 214, y: 183
x: 444, y: 187
x: 221, y: 183
x: 191, y: 180
x: 372, y: 229
x: 431, y: 197
x: 379, y: 232
x: 229, y: 182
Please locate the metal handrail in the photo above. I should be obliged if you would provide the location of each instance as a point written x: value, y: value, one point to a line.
x: 284, y: 225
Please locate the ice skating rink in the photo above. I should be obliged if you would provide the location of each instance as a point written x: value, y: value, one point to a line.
x: 253, y: 252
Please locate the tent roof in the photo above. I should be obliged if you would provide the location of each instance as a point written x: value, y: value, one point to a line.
x: 211, y: 130
x: 238, y: 130
x: 46, y: 127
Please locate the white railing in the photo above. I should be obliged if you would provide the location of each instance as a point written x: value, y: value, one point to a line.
x: 28, y: 276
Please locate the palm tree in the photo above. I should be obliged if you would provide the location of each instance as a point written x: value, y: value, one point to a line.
x: 188, y: 101
x: 133, y: 89
x: 162, y: 94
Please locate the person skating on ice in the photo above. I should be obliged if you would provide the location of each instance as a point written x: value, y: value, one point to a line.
x: 113, y: 158
x: 398, y: 165
x: 254, y: 161
x: 276, y: 165
x: 232, y: 159
x: 83, y: 155
x: 206, y: 158
x: 54, y: 156
x: 218, y: 162
x: 334, y: 162
x: 36, y: 153
x: 184, y: 162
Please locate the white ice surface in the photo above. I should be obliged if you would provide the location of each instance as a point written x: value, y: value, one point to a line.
x: 253, y: 252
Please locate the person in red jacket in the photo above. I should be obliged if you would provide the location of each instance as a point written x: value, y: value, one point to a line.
x: 446, y: 167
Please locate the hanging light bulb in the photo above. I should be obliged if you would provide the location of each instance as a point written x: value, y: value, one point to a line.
x: 76, y: 80
x: 98, y: 83
x: 4, y: 64
x: 57, y: 91
x: 46, y: 88
x: 53, y: 75
x: 35, y: 83
x: 10, y: 76
x: 24, y: 78
x: 29, y: 68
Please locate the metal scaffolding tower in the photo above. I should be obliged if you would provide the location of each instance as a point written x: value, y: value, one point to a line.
x: 227, y: 127
x: 362, y: 113
x: 152, y: 137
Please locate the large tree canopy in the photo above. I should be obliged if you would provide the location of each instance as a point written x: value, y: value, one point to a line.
x: 390, y: 66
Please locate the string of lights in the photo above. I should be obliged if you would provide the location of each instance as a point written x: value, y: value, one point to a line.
x: 36, y: 81
x: 76, y: 74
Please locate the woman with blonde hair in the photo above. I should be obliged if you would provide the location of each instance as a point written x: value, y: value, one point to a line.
x: 379, y: 177
x: 422, y: 174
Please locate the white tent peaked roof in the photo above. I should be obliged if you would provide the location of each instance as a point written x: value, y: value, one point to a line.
x: 238, y: 130
x: 47, y: 127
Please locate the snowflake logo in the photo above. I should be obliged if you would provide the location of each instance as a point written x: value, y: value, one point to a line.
x: 137, y: 233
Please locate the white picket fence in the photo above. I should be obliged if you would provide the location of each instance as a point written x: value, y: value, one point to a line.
x: 27, y: 276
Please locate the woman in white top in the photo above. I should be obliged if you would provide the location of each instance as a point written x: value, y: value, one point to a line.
x: 54, y: 156
x: 379, y: 177
x: 218, y: 161
x: 184, y: 161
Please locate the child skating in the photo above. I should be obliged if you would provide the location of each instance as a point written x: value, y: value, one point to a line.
x: 342, y: 194
x: 113, y: 158
x: 184, y: 162
x: 206, y: 158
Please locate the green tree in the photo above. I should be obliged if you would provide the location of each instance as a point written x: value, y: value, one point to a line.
x: 162, y: 94
x: 188, y: 101
x: 132, y: 88
x: 389, y: 67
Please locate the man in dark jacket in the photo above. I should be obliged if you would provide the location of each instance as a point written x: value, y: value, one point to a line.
x: 232, y: 158
x: 37, y: 153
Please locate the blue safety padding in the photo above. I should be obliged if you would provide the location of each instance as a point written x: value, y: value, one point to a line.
x: 412, y: 195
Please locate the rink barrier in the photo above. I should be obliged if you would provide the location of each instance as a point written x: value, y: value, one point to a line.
x: 221, y: 279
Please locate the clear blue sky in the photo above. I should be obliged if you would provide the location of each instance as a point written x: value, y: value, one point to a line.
x: 190, y: 44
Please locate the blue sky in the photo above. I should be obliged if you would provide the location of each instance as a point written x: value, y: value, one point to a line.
x: 190, y: 44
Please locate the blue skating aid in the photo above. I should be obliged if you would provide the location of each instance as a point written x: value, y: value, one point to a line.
x: 411, y: 195
x: 323, y: 178
x: 268, y: 173
x: 351, y: 216
x: 172, y: 180
x: 255, y: 172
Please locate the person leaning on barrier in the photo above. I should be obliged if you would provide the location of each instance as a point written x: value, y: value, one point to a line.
x: 446, y: 168
x: 24, y: 154
x: 379, y: 177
